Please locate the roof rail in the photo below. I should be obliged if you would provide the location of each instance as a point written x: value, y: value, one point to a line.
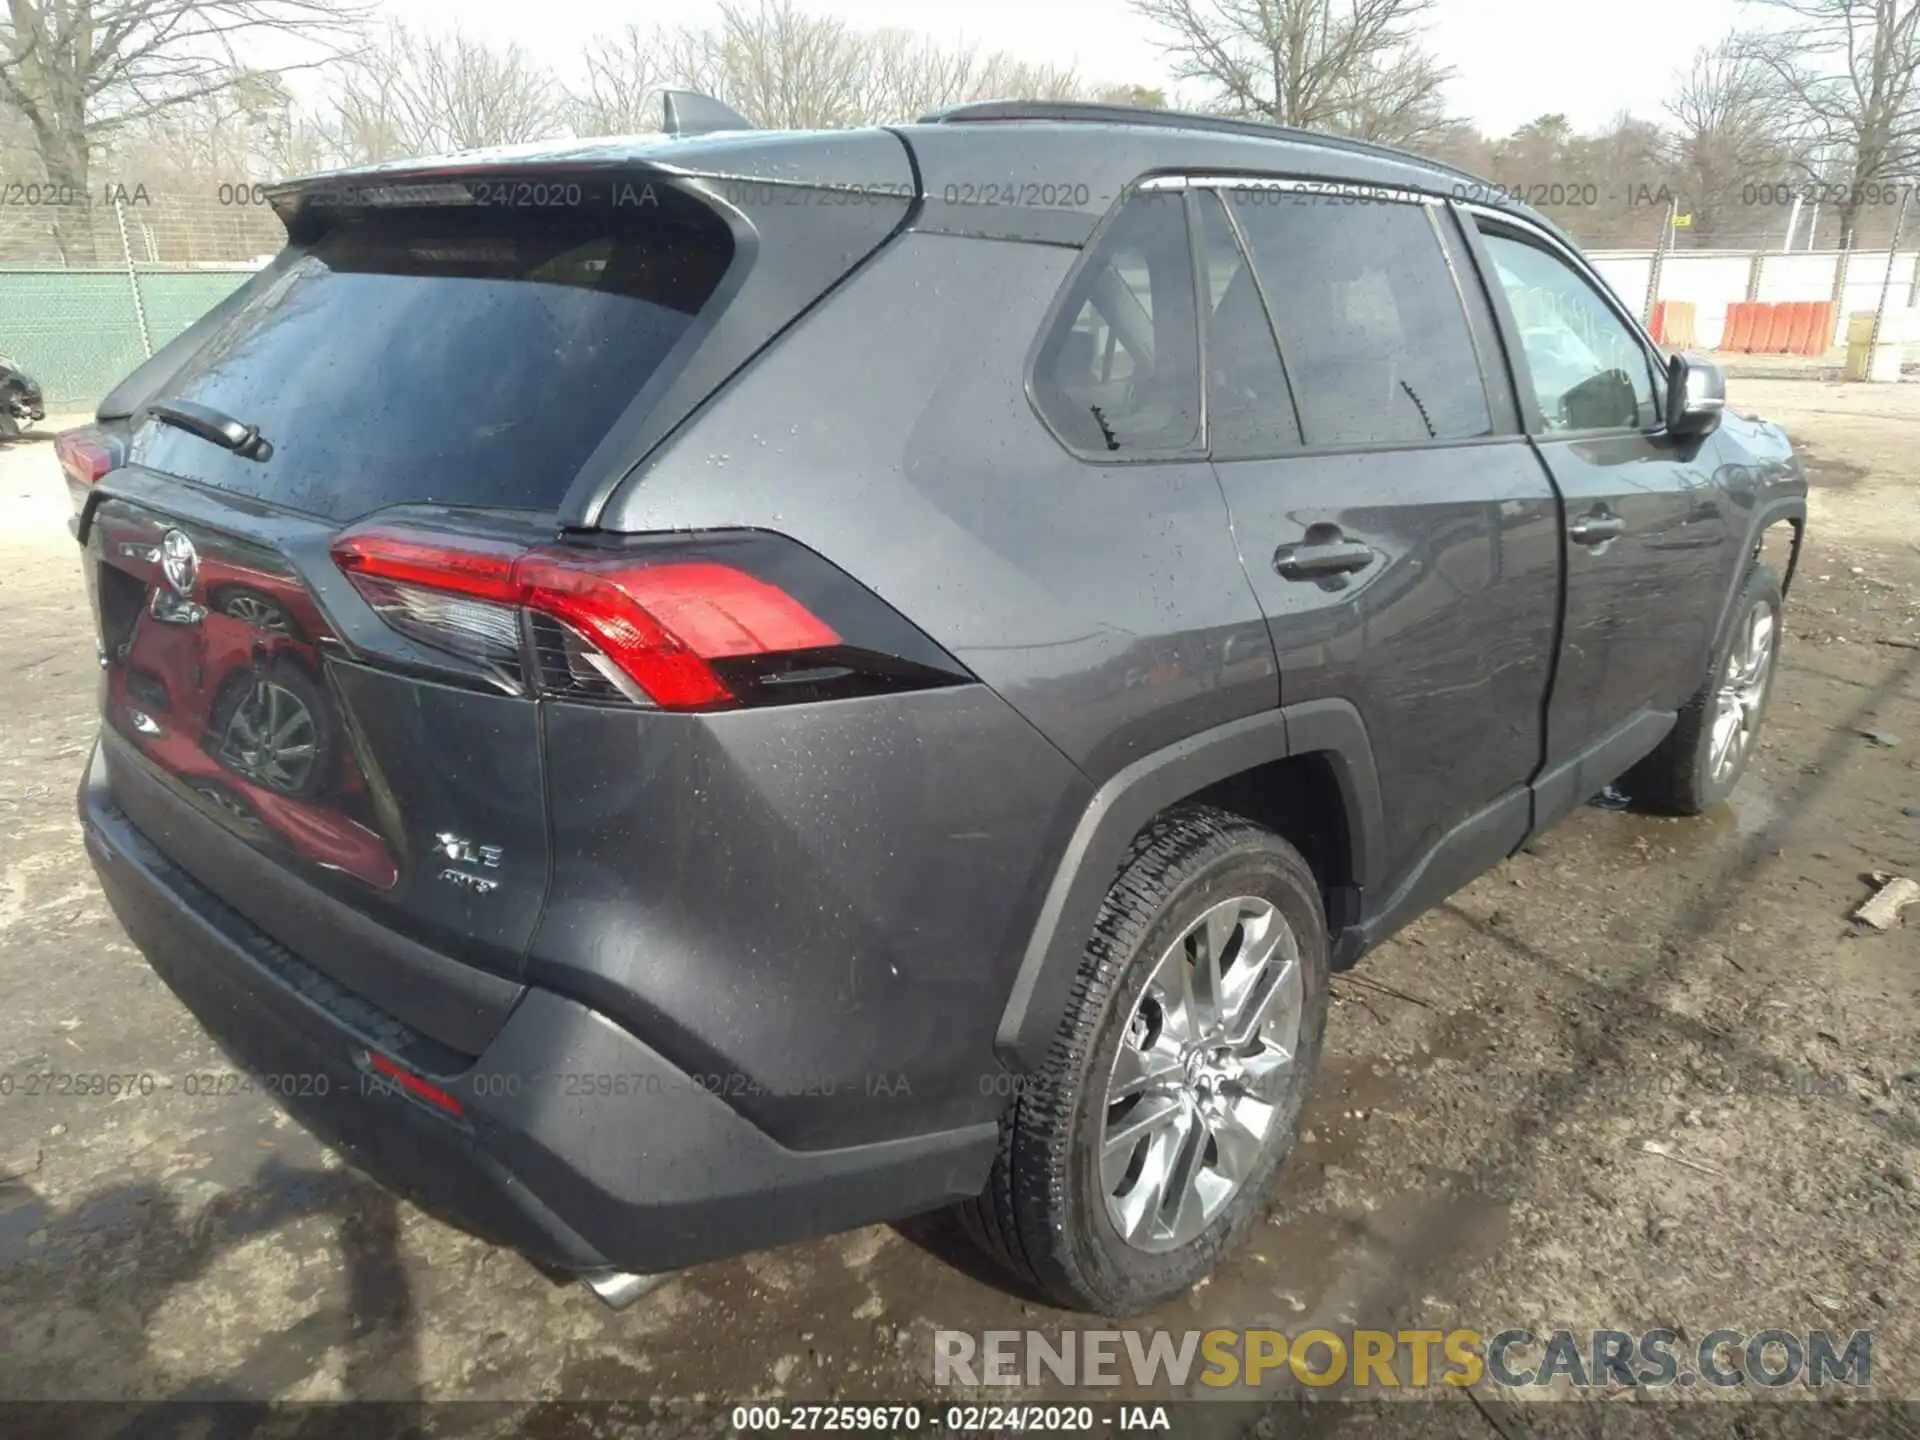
x: 1086, y: 112
x: 688, y: 112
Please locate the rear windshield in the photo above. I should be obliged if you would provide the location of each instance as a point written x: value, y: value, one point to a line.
x: 469, y: 355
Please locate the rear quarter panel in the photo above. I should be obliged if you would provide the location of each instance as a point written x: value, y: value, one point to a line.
x: 891, y: 432
x: 871, y: 877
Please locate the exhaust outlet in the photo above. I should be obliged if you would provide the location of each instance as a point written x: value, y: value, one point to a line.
x: 617, y: 1289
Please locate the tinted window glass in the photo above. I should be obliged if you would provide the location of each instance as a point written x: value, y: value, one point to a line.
x: 468, y: 355
x: 1249, y: 412
x: 1588, y: 370
x: 1120, y: 371
x: 1370, y: 322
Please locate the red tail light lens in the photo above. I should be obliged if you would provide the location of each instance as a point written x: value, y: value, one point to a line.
x: 477, y: 568
x: 85, y: 455
x: 602, y: 625
x: 660, y: 624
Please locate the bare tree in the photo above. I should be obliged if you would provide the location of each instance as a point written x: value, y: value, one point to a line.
x: 786, y: 69
x: 1002, y: 77
x: 1725, y: 135
x: 1145, y: 96
x: 1354, y: 66
x: 290, y: 140
x: 906, y: 75
x: 418, y: 94
x: 1841, y: 73
x: 76, y: 70
x: 622, y: 71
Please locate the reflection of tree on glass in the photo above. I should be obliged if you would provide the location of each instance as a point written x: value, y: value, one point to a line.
x: 1588, y: 371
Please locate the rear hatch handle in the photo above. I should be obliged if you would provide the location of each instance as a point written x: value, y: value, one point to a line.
x: 213, y: 425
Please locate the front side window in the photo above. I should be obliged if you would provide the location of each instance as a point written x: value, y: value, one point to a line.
x: 1119, y: 373
x: 1588, y: 370
x: 1371, y: 324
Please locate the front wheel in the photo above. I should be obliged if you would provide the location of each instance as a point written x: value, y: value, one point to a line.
x: 1145, y: 1149
x: 1711, y: 744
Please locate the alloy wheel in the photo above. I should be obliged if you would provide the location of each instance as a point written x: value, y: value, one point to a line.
x: 1193, y: 1095
x: 1736, y: 715
x: 271, y: 737
x: 259, y: 614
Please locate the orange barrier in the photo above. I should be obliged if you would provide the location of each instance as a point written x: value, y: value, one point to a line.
x: 1825, y: 319
x: 1779, y: 319
x: 1739, y: 331
x: 1786, y: 327
x: 1800, y: 326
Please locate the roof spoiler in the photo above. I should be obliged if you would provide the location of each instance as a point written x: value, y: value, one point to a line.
x: 688, y: 112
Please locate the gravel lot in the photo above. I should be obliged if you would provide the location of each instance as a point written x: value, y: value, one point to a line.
x: 1473, y: 1155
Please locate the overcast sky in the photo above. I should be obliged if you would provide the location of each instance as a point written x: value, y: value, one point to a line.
x: 1512, y: 59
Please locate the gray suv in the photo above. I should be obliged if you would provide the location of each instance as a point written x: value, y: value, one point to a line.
x: 675, y: 695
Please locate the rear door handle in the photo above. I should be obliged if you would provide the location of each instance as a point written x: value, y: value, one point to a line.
x: 1316, y: 561
x: 1597, y: 529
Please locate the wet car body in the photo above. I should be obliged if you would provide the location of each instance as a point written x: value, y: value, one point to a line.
x: 632, y: 944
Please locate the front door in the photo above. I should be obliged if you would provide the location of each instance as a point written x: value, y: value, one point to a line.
x: 1645, y: 531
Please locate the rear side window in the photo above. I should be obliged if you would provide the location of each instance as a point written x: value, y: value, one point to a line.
x: 1371, y: 324
x: 1118, y: 374
x: 467, y: 355
x: 1249, y: 409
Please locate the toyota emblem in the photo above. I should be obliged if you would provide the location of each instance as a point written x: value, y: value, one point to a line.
x: 179, y: 561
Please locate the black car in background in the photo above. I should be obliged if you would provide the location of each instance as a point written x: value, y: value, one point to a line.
x: 683, y: 693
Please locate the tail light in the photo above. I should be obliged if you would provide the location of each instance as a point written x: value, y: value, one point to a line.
x: 678, y: 623
x: 85, y: 454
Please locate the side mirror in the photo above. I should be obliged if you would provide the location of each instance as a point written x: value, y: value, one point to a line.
x: 1696, y: 394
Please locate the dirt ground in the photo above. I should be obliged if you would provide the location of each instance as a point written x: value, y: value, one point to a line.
x: 1473, y: 1155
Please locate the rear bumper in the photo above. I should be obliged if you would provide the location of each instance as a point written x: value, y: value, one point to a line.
x: 577, y: 1144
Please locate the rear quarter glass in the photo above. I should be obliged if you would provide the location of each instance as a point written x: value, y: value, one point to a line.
x: 461, y: 354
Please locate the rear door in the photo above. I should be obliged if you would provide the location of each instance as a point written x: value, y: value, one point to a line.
x: 1400, y: 533
x: 1646, y: 530
x: 322, y: 757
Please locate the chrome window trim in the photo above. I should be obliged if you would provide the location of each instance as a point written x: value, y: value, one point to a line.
x: 1363, y: 191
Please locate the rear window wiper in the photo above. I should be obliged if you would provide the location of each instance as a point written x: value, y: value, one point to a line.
x: 213, y: 425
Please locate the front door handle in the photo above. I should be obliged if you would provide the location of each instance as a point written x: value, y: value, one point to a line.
x: 1318, y: 559
x: 1597, y: 529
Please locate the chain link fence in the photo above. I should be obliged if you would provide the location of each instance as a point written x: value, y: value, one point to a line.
x: 93, y: 283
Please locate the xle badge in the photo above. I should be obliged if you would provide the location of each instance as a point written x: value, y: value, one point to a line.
x: 465, y: 852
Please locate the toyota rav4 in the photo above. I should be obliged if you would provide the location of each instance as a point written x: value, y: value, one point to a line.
x: 692, y: 692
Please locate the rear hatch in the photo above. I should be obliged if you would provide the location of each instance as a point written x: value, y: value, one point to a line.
x: 352, y: 762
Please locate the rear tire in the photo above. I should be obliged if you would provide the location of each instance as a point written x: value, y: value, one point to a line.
x: 1710, y: 746
x: 1123, y: 1180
